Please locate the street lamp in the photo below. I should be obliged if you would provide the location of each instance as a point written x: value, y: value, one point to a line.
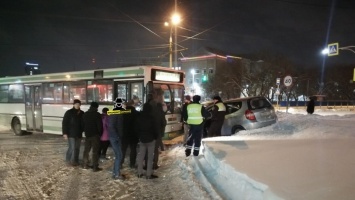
x: 175, y: 20
x: 193, y: 81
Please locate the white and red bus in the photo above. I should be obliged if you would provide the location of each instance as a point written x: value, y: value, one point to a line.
x: 38, y: 102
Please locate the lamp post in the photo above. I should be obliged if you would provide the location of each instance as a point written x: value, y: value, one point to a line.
x: 193, y: 81
x: 175, y: 20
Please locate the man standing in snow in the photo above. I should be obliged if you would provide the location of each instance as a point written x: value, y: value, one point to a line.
x: 130, y: 137
x: 148, y: 132
x: 194, y: 118
x: 73, y: 132
x: 218, y: 114
x: 310, y: 106
x: 92, y: 124
x: 184, y: 110
x: 115, y: 133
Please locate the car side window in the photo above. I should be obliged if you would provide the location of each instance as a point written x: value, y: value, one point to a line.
x: 233, y: 107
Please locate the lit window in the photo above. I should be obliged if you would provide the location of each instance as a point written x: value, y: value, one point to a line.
x: 100, y: 91
x: 74, y: 90
x: 52, y: 93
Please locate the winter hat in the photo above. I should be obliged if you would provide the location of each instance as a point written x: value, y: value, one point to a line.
x: 77, y: 101
x: 188, y: 97
x: 118, y: 102
x: 218, y: 98
x: 104, y: 110
x: 196, y: 98
x: 94, y: 105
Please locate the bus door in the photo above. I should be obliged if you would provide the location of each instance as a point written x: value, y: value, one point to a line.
x: 33, y: 103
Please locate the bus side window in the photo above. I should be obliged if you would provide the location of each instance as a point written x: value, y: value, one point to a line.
x: 99, y: 91
x: 4, y: 93
x: 74, y: 90
x: 52, y: 92
x: 16, y: 93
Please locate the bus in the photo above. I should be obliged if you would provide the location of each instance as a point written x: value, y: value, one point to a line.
x: 37, y: 103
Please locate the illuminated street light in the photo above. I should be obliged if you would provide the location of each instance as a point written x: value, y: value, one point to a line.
x: 325, y: 51
x: 175, y: 19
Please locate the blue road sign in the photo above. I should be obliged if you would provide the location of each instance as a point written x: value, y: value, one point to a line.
x: 333, y: 49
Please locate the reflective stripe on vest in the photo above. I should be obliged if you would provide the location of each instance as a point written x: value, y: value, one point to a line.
x: 221, y: 106
x: 194, y: 115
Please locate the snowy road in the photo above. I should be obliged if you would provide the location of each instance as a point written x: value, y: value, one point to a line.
x: 32, y: 167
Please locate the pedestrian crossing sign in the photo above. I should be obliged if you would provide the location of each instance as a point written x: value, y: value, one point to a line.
x: 333, y: 49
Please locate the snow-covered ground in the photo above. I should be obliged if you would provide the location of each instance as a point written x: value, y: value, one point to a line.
x: 300, y: 157
x: 3, y: 128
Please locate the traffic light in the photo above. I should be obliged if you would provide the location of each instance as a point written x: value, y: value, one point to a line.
x: 204, y: 78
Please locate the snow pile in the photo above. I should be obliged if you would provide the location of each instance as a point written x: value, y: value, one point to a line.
x: 4, y: 128
x: 221, y: 172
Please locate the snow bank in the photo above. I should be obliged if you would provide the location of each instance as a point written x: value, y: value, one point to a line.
x: 4, y: 128
x: 230, y: 183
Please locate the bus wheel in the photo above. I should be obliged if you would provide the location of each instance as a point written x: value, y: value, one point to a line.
x: 16, y: 126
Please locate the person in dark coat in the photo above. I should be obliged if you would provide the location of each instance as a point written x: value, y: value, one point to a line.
x: 184, y: 110
x: 156, y: 104
x: 130, y: 137
x: 115, y: 133
x: 310, y: 106
x: 148, y: 132
x: 92, y: 123
x: 160, y: 117
x: 217, y: 120
x: 73, y: 132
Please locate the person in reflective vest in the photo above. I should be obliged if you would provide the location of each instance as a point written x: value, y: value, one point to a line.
x: 218, y: 114
x: 194, y: 115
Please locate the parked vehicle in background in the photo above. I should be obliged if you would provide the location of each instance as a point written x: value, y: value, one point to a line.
x: 246, y: 114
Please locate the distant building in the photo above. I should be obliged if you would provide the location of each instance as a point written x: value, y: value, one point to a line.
x: 200, y: 68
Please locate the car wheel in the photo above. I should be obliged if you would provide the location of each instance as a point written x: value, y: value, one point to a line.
x: 236, y: 129
x: 16, y: 126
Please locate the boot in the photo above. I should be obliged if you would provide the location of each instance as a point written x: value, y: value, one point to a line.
x: 188, y: 152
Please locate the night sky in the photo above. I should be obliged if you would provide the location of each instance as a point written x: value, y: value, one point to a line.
x: 64, y: 35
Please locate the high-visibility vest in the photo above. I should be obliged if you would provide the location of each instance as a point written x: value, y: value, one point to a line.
x: 221, y: 106
x: 194, y: 115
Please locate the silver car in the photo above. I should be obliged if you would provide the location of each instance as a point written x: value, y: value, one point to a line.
x: 246, y: 114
